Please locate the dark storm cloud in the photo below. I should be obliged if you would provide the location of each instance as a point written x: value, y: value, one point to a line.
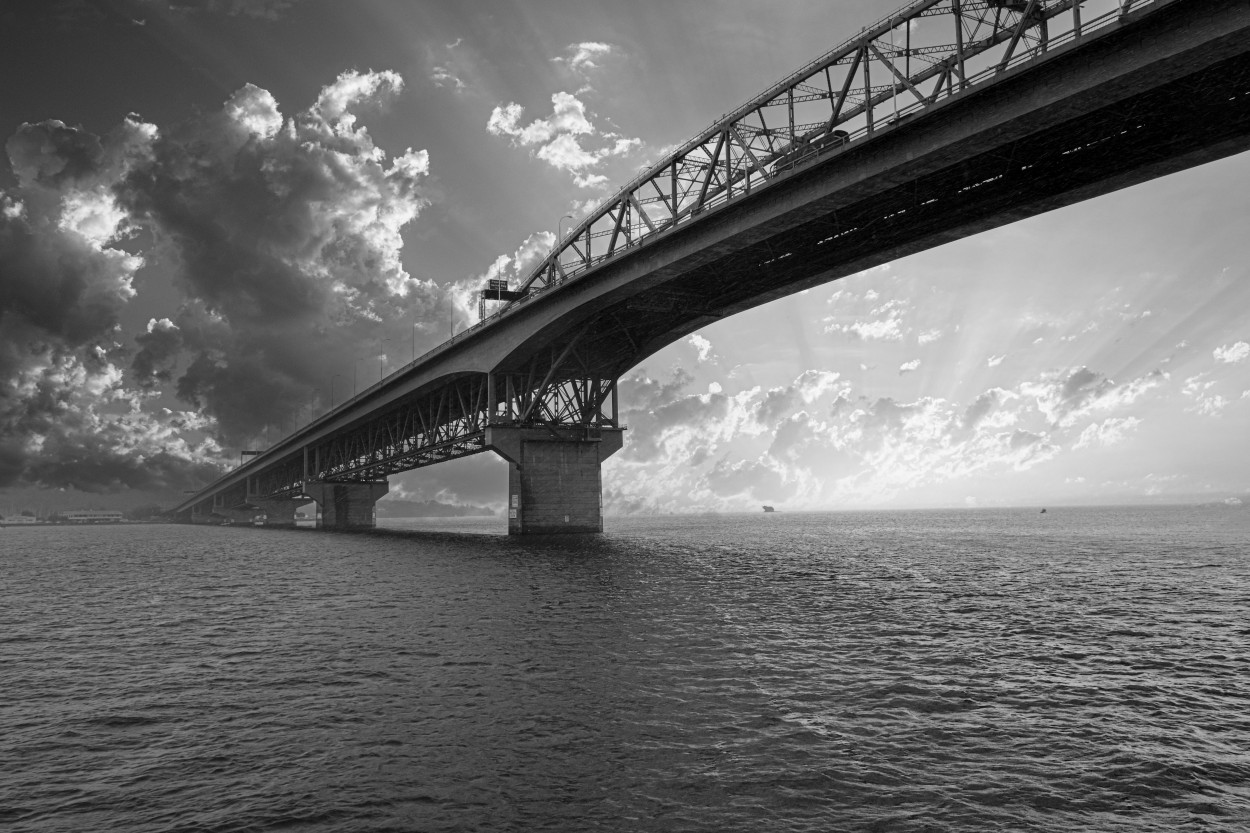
x: 158, y: 349
x: 109, y: 456
x: 283, y: 236
x: 51, y: 154
x: 64, y: 281
x: 57, y: 267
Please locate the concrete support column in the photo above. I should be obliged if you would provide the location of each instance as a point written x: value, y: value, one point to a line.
x: 278, y: 511
x: 554, y: 484
x: 347, y: 505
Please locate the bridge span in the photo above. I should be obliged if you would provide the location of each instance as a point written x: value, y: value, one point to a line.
x: 945, y: 119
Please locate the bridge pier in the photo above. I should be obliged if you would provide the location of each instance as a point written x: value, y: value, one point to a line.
x: 554, y: 484
x: 346, y: 505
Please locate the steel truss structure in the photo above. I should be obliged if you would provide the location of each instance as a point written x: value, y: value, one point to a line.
x: 554, y: 390
x: 901, y: 65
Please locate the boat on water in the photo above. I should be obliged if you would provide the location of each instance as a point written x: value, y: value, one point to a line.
x: 769, y: 509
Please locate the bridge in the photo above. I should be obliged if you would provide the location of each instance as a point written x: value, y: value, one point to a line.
x: 942, y: 120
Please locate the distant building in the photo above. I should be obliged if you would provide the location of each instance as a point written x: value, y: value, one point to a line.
x: 15, y: 520
x: 91, y: 516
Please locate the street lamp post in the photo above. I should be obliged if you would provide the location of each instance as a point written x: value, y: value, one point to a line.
x: 560, y: 228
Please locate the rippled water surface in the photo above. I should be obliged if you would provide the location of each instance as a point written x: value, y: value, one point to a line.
x: 982, y: 670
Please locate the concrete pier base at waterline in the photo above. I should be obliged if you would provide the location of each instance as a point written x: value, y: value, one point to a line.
x: 346, y: 506
x: 554, y: 483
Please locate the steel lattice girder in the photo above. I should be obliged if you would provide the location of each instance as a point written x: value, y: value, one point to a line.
x: 446, y: 424
x: 896, y: 68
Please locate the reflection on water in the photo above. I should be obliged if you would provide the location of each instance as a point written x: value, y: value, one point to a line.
x: 1079, y: 670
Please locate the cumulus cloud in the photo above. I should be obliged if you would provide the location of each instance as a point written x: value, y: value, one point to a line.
x: 1066, y: 397
x: 1232, y: 353
x: 881, y: 323
x: 285, y: 235
x: 281, y: 232
x: 702, y: 347
x: 1200, y: 388
x: 908, y: 367
x: 567, y: 139
x: 816, y: 443
x: 66, y: 275
x: 1108, y: 432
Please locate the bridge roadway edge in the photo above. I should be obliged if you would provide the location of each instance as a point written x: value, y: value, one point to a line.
x: 978, y: 122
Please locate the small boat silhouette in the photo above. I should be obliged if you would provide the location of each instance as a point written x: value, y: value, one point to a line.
x: 769, y: 509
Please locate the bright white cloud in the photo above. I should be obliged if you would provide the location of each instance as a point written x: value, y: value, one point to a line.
x: 339, y: 100
x: 814, y: 443
x: 1106, y: 433
x: 1232, y: 353
x: 702, y: 347
x: 887, y: 329
x: 255, y: 110
x: 567, y: 139
x: 908, y: 367
x: 1200, y: 388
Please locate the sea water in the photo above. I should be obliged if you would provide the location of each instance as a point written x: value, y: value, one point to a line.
x: 1083, y: 669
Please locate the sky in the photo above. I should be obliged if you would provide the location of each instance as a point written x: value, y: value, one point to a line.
x: 219, y: 217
